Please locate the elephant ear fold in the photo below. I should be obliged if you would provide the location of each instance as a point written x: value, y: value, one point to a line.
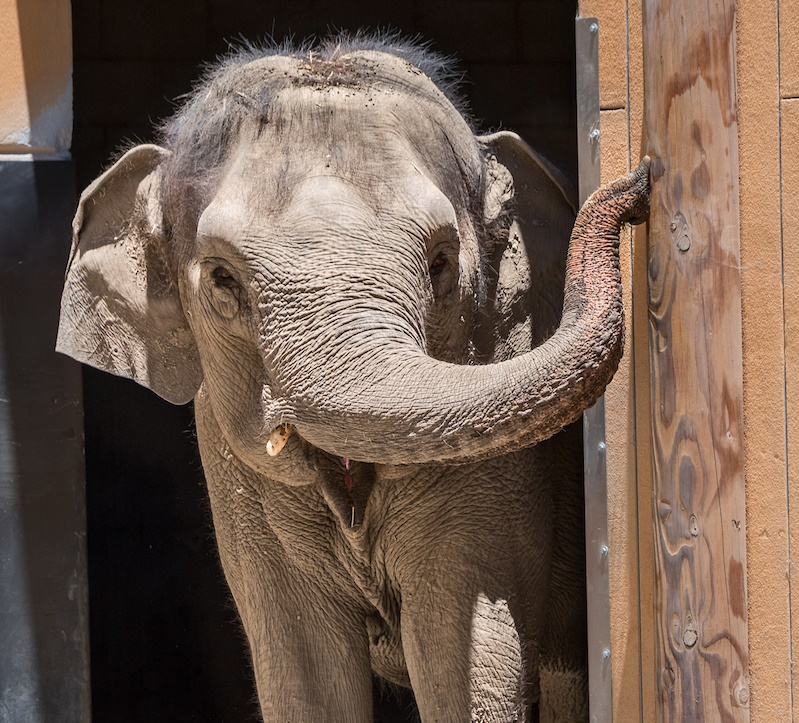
x: 543, y: 207
x: 121, y: 310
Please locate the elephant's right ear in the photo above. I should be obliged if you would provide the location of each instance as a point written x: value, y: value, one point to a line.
x: 532, y: 264
x: 121, y: 310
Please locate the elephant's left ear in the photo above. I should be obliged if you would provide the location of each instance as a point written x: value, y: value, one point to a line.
x: 121, y: 310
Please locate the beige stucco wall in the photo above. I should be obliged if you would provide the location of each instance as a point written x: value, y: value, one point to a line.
x: 36, y: 80
x: 768, y: 102
x: 788, y: 117
x: 768, y: 548
x: 789, y: 112
x: 13, y: 99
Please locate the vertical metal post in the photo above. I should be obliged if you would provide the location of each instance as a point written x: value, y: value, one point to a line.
x: 596, y: 493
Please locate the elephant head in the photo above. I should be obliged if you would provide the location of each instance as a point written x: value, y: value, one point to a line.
x: 310, y: 248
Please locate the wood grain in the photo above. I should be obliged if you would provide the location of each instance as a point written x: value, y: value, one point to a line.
x: 695, y: 361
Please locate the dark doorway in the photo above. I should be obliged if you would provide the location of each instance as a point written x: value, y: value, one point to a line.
x: 165, y: 641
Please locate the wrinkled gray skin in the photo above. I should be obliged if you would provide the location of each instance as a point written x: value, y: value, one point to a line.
x: 324, y: 243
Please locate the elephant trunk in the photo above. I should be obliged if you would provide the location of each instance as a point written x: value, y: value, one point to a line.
x: 412, y: 408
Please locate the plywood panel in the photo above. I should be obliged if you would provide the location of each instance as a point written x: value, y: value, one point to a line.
x: 635, y: 77
x: 46, y: 37
x: 764, y: 412
x: 614, y: 146
x: 763, y: 358
x: 695, y: 361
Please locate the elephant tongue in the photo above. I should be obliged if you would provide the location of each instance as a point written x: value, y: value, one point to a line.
x: 347, y: 475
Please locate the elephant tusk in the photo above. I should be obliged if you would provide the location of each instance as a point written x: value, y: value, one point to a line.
x: 278, y: 439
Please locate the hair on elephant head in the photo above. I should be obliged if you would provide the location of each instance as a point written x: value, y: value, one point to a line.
x: 372, y: 307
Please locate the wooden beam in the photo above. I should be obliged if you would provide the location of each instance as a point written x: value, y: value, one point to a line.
x: 695, y: 361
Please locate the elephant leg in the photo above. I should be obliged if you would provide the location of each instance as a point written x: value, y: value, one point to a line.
x: 563, y: 694
x: 475, y: 590
x: 563, y: 671
x: 310, y: 657
x: 563, y: 668
x: 466, y: 660
x: 305, y: 622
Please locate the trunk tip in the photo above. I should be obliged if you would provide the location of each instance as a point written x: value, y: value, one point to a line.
x: 633, y: 190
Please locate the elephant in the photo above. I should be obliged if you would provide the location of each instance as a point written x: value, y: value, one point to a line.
x: 373, y: 310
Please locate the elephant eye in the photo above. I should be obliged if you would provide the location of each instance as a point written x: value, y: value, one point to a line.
x: 223, y: 277
x: 225, y: 292
x: 438, y: 265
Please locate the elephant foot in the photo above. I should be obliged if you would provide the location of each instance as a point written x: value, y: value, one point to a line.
x: 564, y: 694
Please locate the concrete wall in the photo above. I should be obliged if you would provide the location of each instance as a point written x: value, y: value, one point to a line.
x: 768, y: 103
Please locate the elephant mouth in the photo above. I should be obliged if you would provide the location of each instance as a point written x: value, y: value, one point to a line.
x: 346, y: 487
x: 345, y: 483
